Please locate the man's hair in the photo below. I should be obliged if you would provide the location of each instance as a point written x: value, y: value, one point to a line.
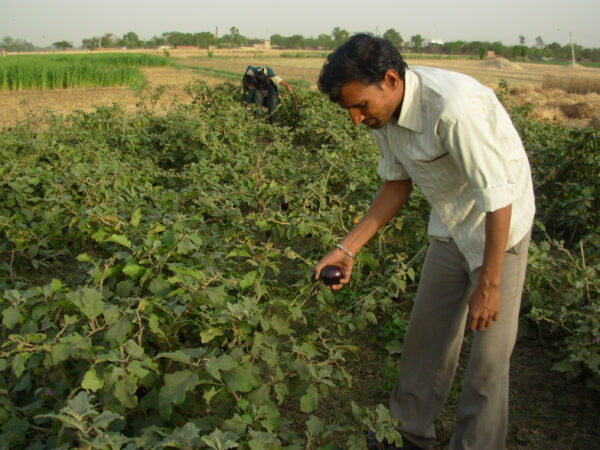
x: 363, y: 58
x: 249, y: 80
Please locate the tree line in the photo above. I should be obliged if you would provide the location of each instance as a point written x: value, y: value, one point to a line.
x: 537, y: 51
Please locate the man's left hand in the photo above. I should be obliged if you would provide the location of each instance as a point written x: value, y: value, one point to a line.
x: 484, y: 307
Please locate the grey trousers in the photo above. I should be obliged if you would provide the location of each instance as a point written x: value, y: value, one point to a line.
x: 432, y: 346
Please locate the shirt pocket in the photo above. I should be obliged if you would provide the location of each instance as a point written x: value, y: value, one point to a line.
x: 445, y: 187
x: 438, y: 175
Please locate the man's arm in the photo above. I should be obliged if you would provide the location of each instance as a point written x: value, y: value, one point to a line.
x: 484, y: 303
x: 287, y: 85
x: 389, y: 200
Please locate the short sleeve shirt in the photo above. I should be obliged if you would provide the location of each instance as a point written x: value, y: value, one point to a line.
x: 455, y: 140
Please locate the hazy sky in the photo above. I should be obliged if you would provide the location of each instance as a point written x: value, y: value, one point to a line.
x: 43, y: 22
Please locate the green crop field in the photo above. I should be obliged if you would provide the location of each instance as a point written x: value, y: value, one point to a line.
x: 156, y: 277
x: 21, y: 72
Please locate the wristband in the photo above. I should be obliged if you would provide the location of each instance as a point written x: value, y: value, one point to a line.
x: 345, y: 250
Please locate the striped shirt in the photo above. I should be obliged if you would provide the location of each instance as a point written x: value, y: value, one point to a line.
x: 456, y: 142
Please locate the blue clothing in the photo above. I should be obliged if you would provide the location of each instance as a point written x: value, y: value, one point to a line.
x: 248, y: 94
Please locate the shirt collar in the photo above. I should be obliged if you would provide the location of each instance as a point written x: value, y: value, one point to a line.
x: 410, y: 114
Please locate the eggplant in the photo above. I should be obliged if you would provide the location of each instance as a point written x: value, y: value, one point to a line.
x: 331, y: 275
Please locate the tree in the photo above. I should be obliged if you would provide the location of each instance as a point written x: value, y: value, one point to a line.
x: 324, y: 41
x: 417, y: 42
x: 339, y: 36
x: 394, y: 37
x: 109, y: 40
x: 539, y: 43
x: 91, y: 43
x: 454, y: 47
x: 521, y: 40
x: 131, y: 40
x: 19, y: 45
x: 62, y: 45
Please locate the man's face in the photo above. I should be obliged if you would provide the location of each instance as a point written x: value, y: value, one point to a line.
x: 374, y: 104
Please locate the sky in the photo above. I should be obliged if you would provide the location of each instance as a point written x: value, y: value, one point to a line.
x: 43, y: 22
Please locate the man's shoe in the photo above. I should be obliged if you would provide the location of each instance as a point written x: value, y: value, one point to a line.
x: 374, y: 444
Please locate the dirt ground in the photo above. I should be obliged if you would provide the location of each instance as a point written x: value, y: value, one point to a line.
x: 546, y: 411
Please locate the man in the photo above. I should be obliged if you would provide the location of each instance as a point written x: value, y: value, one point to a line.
x: 260, y: 88
x: 450, y: 135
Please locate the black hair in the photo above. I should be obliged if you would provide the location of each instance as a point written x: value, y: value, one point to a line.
x: 249, y: 80
x: 363, y: 58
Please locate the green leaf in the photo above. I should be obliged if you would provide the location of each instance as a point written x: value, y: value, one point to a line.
x: 261, y: 440
x: 70, y: 346
x: 367, y: 258
x: 104, y: 419
x: 176, y: 386
x: 215, y: 295
x: 136, y: 217
x: 242, y: 379
x: 261, y: 395
x: 80, y: 406
x: 248, y: 279
x: 220, y: 440
x: 89, y: 301
x: 125, y: 392
x: 154, y: 324
x: 18, y: 363
x: 124, y: 288
x: 310, y: 400
x: 209, y: 334
x: 314, y: 425
x: 134, y: 271
x: 223, y: 363
x: 91, y: 380
x: 119, y: 239
x: 117, y: 333
x: 10, y: 317
x: 159, y: 287
x: 168, y: 238
x: 84, y: 257
x: 394, y: 347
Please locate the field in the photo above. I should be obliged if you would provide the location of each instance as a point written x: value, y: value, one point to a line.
x: 156, y: 257
x: 524, y: 79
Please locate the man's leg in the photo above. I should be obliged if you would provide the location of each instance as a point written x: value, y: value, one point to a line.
x: 271, y: 104
x: 432, y: 343
x: 483, y: 406
x: 260, y: 96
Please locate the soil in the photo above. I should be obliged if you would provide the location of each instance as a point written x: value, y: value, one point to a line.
x: 546, y: 410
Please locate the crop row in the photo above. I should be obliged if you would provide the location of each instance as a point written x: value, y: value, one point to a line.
x: 61, y: 71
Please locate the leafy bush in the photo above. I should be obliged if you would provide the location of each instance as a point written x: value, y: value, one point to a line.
x: 154, y: 291
x: 562, y: 283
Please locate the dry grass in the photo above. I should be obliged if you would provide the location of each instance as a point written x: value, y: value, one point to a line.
x: 573, y: 83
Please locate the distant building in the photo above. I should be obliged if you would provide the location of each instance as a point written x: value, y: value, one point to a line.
x: 264, y: 45
x: 430, y: 42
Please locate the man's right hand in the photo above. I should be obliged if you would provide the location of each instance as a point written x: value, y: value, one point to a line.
x: 338, y: 258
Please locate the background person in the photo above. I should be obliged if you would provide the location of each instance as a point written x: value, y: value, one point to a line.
x: 260, y: 87
x: 451, y: 136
